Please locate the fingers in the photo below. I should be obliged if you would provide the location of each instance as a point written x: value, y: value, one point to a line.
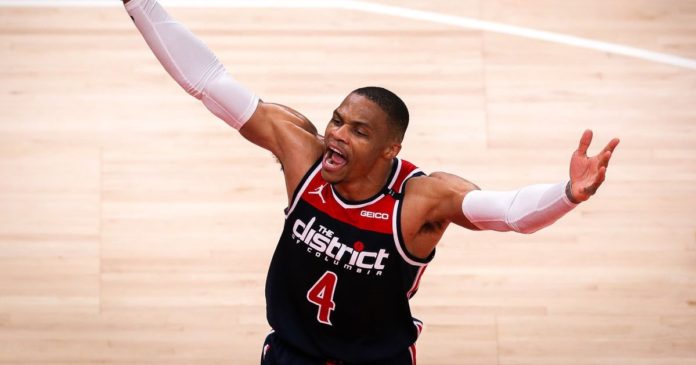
x: 604, y: 159
x: 585, y: 142
x: 600, y: 178
x: 600, y: 162
x: 611, y: 145
x: 601, y: 173
x: 607, y: 152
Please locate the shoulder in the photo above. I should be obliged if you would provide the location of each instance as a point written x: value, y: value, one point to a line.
x: 437, y: 196
x: 283, y: 113
x: 289, y: 135
x: 425, y: 188
x: 283, y: 131
x: 438, y: 183
x: 454, y: 181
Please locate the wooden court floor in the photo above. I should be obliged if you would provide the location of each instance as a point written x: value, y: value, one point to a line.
x: 135, y: 228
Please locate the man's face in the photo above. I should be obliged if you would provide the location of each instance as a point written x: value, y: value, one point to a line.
x: 356, y: 138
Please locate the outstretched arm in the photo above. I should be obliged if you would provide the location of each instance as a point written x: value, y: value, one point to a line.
x: 532, y: 208
x: 192, y: 64
x: 199, y: 72
x: 525, y: 210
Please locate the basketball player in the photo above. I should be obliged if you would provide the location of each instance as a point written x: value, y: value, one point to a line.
x: 361, y: 224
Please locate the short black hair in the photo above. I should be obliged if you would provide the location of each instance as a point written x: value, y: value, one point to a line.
x: 397, y: 112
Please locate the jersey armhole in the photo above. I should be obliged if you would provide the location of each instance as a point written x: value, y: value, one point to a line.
x: 398, y: 236
x: 302, y: 186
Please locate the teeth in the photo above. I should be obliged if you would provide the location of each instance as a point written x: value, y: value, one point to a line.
x: 336, y: 151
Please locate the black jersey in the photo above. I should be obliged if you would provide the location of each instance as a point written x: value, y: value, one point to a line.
x: 339, y: 283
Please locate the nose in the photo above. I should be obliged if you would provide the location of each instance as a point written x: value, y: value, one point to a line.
x: 340, y: 133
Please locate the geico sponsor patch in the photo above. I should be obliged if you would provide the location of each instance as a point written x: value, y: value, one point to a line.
x: 375, y: 215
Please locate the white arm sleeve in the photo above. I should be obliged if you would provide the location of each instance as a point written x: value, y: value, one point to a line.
x: 526, y: 210
x: 191, y: 63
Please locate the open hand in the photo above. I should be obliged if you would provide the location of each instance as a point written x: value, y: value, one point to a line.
x: 588, y: 173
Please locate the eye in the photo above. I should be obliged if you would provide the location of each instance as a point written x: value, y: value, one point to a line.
x: 336, y: 121
x: 360, y: 132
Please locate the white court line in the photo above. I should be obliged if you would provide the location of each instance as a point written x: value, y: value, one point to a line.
x: 401, y: 12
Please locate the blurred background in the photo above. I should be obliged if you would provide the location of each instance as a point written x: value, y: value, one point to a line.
x: 136, y: 228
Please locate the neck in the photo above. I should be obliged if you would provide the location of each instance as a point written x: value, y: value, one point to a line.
x: 368, y: 185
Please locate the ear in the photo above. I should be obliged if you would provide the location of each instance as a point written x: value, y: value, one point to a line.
x: 392, y: 150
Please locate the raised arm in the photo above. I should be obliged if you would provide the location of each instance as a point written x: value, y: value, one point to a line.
x: 534, y: 207
x: 441, y: 198
x: 524, y: 210
x: 199, y: 72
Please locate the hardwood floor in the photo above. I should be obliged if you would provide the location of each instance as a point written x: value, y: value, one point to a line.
x: 135, y: 228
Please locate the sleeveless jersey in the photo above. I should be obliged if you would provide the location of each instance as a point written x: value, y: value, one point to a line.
x: 340, y: 280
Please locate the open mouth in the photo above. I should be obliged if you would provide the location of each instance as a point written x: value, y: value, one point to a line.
x: 334, y: 159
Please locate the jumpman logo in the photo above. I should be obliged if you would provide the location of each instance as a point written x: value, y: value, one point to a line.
x: 318, y: 191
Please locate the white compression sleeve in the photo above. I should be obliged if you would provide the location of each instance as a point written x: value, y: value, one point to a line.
x: 191, y: 63
x: 526, y: 210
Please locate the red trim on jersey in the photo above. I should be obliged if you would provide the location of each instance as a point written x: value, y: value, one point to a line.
x: 416, y: 282
x: 419, y: 326
x: 375, y: 215
x: 412, y: 350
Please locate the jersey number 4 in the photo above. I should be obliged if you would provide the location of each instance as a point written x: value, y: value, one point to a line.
x: 321, y: 294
